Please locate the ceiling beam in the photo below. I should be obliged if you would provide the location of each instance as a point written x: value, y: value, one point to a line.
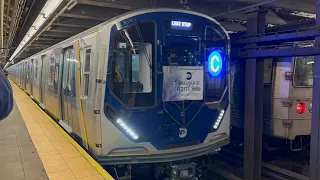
x: 273, y: 18
x: 46, y: 39
x: 105, y: 4
x: 83, y: 17
x: 42, y: 44
x: 8, y: 17
x: 64, y: 21
x: 300, y: 5
x: 94, y: 12
x: 70, y: 25
x: 229, y: 26
x: 59, y: 35
x: 61, y: 31
x: 8, y: 5
x: 65, y: 29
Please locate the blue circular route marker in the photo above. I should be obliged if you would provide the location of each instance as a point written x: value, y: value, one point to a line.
x: 215, y: 63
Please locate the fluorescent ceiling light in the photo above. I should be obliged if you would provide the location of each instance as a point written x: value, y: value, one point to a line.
x: 310, y: 62
x: 46, y: 11
x: 304, y: 14
x: 6, y: 65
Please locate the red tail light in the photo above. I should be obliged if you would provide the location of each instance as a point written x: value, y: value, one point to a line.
x: 301, y: 108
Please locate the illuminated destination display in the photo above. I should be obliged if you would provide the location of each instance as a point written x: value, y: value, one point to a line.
x: 180, y: 25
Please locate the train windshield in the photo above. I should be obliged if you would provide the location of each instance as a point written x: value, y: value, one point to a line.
x: 303, y: 72
x: 184, y: 54
x: 132, y: 71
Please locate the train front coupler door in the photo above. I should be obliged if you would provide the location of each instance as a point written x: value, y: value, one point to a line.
x: 181, y: 62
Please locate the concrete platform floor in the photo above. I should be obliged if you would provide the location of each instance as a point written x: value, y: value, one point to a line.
x: 19, y: 159
x: 61, y: 156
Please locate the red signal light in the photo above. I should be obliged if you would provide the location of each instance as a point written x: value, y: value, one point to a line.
x: 301, y: 108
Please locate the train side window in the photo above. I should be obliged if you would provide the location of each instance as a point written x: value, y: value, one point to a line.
x: 26, y: 69
x: 73, y: 86
x: 66, y: 70
x: 267, y: 78
x: 303, y: 71
x: 70, y: 69
x: 31, y: 71
x: 71, y: 74
x: 86, y: 72
x: 51, y: 71
x: 36, y: 66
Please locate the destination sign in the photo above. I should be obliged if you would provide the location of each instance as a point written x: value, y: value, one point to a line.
x: 181, y: 25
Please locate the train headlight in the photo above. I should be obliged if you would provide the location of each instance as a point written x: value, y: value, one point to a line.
x: 124, y: 126
x: 215, y: 63
x: 219, y: 119
x: 301, y: 108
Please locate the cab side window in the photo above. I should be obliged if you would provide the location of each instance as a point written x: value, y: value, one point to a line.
x: 86, y: 72
x: 51, y: 71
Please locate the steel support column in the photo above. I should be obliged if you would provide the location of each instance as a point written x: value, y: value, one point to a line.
x: 315, y: 124
x: 256, y: 18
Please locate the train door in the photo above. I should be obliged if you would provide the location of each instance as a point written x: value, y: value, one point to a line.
x: 42, y: 78
x: 19, y: 72
x: 68, y: 90
x: 31, y: 76
x: 36, y: 79
x: 24, y: 75
x: 28, y: 79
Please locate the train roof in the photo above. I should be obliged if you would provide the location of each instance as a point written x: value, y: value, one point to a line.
x: 119, y: 18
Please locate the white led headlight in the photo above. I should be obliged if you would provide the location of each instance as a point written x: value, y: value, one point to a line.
x: 219, y: 119
x: 127, y: 129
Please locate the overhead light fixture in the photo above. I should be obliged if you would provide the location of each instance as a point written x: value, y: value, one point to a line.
x: 219, y: 119
x: 46, y: 11
x: 304, y: 14
x: 127, y: 129
x: 6, y: 65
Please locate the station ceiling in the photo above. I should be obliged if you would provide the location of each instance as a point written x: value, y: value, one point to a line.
x: 75, y: 16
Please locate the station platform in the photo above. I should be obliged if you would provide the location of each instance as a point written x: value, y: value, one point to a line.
x: 34, y: 147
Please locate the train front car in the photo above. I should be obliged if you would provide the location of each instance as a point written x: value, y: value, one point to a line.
x: 166, y: 94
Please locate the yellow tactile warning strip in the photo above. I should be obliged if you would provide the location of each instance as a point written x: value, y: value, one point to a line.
x: 62, y: 157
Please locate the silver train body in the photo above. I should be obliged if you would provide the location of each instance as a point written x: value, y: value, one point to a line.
x: 287, y: 96
x: 71, y: 81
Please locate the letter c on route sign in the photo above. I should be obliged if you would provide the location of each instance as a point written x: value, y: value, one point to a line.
x: 215, y: 63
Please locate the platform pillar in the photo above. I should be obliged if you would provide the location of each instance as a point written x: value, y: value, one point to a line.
x: 315, y: 124
x: 254, y: 100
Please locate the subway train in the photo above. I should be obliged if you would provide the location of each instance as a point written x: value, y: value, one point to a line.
x: 148, y: 86
x: 287, y: 101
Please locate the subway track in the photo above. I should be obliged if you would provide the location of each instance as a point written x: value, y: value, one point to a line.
x: 228, y: 165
